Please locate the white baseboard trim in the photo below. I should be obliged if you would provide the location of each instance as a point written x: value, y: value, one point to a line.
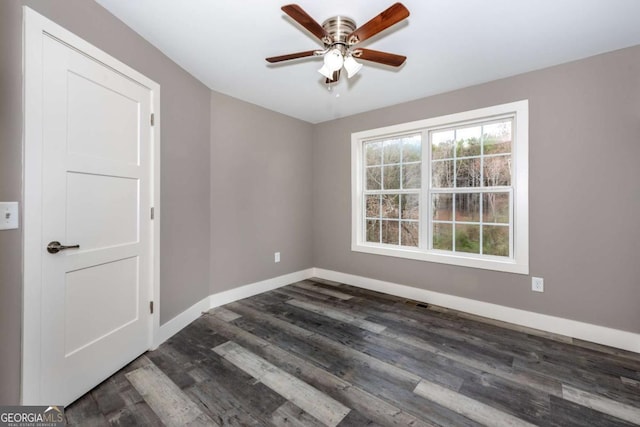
x: 179, y: 322
x: 571, y: 328
x: 246, y: 291
x: 183, y: 319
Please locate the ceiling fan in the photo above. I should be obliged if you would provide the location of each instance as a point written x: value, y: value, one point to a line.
x: 340, y: 35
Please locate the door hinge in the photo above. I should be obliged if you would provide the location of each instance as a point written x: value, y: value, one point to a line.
x: 151, y: 307
x: 153, y: 213
x: 153, y: 119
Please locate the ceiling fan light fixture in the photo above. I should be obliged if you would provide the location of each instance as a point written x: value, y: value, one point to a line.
x: 333, y: 59
x: 352, y: 66
x: 325, y: 71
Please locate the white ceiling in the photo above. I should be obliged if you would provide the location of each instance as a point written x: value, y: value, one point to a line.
x: 450, y: 44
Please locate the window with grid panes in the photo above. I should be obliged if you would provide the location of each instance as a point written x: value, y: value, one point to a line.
x: 392, y: 192
x: 470, y: 193
x: 451, y: 189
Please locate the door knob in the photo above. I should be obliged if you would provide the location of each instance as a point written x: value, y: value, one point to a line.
x: 55, y: 247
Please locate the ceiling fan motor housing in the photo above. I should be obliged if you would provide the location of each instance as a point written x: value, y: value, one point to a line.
x: 338, y: 28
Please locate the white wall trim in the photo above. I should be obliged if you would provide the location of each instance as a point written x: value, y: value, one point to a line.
x: 571, y: 328
x: 183, y: 319
x: 246, y: 291
x: 557, y: 325
x: 155, y: 203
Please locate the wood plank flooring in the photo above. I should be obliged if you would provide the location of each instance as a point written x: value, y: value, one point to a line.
x: 319, y: 353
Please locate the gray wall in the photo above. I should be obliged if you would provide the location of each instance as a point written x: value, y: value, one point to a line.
x: 584, y: 197
x: 260, y: 193
x: 185, y: 119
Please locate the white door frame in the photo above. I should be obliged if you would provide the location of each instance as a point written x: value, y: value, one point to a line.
x: 35, y: 26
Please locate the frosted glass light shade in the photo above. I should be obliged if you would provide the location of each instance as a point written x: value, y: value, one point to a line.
x: 326, y: 72
x: 333, y: 61
x: 352, y: 66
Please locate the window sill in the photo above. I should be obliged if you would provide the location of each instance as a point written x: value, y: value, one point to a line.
x: 507, y: 266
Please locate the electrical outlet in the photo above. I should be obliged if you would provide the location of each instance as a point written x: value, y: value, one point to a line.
x: 537, y: 284
x: 276, y: 257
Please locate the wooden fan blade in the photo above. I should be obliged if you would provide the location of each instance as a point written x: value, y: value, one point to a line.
x: 291, y: 56
x: 380, y: 57
x: 334, y: 78
x: 303, y: 18
x: 384, y: 20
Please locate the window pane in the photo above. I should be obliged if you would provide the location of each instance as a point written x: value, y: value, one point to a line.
x: 392, y: 177
x: 497, y: 171
x: 410, y: 203
x: 468, y: 207
x: 373, y: 206
x: 410, y: 233
x: 374, y: 178
x: 373, y: 231
x: 468, y: 141
x: 442, y: 145
x: 442, y: 174
x: 495, y: 207
x: 443, y: 237
x: 373, y: 152
x: 468, y: 173
x: 412, y: 149
x: 390, y: 205
x: 495, y: 240
x: 390, y: 232
x: 442, y: 207
x: 468, y: 238
x: 411, y: 175
x: 497, y: 138
x: 391, y: 151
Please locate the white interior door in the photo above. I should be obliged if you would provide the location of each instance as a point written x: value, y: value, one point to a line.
x: 96, y: 193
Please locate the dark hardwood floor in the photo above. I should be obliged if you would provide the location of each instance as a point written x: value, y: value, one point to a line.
x: 320, y: 353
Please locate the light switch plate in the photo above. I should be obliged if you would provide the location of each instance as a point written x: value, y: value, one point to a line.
x: 9, y: 215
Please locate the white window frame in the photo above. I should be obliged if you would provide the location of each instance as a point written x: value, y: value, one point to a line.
x: 519, y: 262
